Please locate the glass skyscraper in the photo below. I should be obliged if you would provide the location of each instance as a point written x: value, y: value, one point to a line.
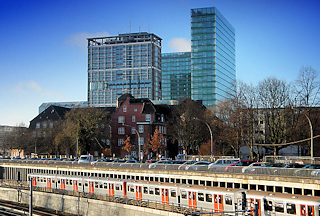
x: 176, y: 75
x: 128, y: 63
x: 212, y: 56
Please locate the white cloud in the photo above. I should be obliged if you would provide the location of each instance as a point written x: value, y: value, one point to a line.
x: 180, y: 45
x: 34, y: 89
x: 80, y: 39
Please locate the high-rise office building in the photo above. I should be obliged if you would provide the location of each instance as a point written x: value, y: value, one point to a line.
x: 176, y: 75
x: 212, y: 56
x: 128, y: 63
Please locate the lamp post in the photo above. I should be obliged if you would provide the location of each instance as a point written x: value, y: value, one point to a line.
x: 138, y: 140
x: 210, y: 135
x: 311, y: 136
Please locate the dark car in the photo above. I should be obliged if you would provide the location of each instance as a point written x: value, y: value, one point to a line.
x: 275, y: 165
x: 294, y: 165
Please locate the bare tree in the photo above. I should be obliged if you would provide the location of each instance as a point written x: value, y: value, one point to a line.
x: 308, y: 87
x: 274, y: 97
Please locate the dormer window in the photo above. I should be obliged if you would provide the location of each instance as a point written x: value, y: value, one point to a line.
x: 124, y: 108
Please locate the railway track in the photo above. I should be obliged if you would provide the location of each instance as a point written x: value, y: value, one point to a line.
x: 17, y: 209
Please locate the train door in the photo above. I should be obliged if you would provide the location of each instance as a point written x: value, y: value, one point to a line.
x: 252, y: 206
x: 306, y: 210
x: 63, y: 184
x: 164, y: 196
x: 75, y: 185
x: 192, y: 200
x: 91, y: 187
x: 138, y: 193
x: 124, y: 190
x: 48, y: 182
x: 111, y: 189
x: 34, y: 181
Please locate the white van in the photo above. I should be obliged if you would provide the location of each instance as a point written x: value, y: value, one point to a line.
x: 224, y: 162
x: 85, y: 158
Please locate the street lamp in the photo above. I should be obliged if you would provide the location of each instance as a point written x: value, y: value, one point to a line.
x: 138, y: 139
x: 311, y: 136
x: 210, y: 135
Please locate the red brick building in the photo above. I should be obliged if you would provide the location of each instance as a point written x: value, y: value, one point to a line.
x: 136, y: 118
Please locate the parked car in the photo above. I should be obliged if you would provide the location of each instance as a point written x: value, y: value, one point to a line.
x: 153, y: 165
x: 200, y: 165
x: 223, y: 162
x: 131, y: 161
x: 294, y: 165
x: 86, y: 158
x: 239, y: 163
x: 252, y: 166
x: 275, y: 165
x: 186, y: 164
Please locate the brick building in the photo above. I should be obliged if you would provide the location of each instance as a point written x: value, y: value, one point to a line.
x: 136, y: 118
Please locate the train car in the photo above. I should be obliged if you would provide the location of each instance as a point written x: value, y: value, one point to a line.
x: 278, y: 204
x: 211, y: 198
x: 164, y: 193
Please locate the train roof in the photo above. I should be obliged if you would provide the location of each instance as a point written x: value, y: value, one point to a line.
x: 283, y: 196
x: 201, y: 188
x: 156, y: 184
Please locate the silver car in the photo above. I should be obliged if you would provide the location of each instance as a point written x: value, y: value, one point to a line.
x: 200, y: 165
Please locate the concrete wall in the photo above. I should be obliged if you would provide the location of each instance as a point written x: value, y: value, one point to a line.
x: 79, y: 206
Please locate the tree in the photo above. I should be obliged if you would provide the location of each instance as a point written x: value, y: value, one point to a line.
x: 156, y: 143
x: 184, y: 127
x: 85, y: 125
x: 274, y: 97
x: 128, y: 147
x: 307, y: 87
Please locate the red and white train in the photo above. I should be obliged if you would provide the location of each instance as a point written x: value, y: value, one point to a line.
x: 216, y: 199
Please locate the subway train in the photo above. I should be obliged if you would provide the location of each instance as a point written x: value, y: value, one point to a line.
x: 230, y: 201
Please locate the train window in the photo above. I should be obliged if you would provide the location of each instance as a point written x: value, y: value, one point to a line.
x: 228, y: 200
x: 157, y: 191
x: 118, y: 187
x: 67, y: 182
x: 267, y: 205
x: 173, y: 193
x: 96, y: 185
x: 183, y: 194
x: 291, y: 208
x: 105, y: 185
x: 44, y: 180
x: 208, y: 197
x: 41, y: 180
x: 131, y: 188
x: 200, y: 196
x: 58, y: 181
x: 86, y: 184
x: 279, y: 207
x: 70, y: 182
x: 53, y: 180
x: 100, y: 185
x: 151, y: 190
x: 80, y: 184
x: 145, y: 190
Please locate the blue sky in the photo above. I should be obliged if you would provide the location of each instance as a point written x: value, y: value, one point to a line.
x: 43, y: 56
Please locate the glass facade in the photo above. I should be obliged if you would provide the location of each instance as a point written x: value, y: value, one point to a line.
x: 213, y: 72
x: 128, y: 63
x: 176, y: 75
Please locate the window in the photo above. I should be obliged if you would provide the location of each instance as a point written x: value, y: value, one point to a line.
x: 145, y: 190
x: 228, y: 200
x: 120, y: 142
x: 151, y: 190
x: 200, y: 196
x: 131, y: 188
x: 279, y: 207
x: 208, y: 197
x: 136, y: 110
x: 38, y: 125
x: 141, y: 141
x: 120, y: 119
x: 124, y: 109
x: 141, y: 128
x: 133, y: 118
x: 157, y: 191
x: 173, y: 193
x: 148, y: 117
x: 291, y: 208
x: 50, y: 125
x: 133, y: 130
x: 118, y: 187
x: 121, y: 130
x: 183, y: 194
x: 105, y: 185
